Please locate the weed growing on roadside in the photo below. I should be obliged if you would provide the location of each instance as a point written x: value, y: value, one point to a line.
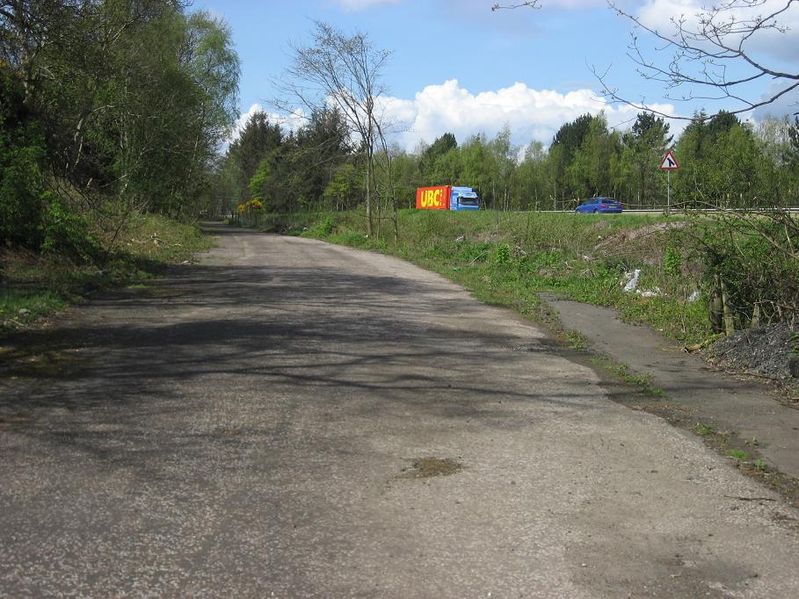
x: 502, y: 254
x: 575, y: 340
x: 21, y: 307
x: 325, y: 227
x: 634, y: 378
x: 672, y: 262
x: 738, y: 454
x: 704, y: 430
x: 623, y: 372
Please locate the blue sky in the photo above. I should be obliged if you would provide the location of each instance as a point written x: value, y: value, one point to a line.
x: 457, y: 66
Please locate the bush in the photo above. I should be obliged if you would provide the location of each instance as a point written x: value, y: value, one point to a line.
x: 324, y: 228
x: 750, y: 265
x: 22, y: 155
x: 672, y: 261
x: 66, y: 232
x: 502, y: 254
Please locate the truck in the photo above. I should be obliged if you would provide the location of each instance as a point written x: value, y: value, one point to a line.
x: 447, y: 197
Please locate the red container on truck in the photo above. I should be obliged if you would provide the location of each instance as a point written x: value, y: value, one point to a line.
x: 433, y: 198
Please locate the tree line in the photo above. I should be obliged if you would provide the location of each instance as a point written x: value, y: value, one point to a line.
x: 107, y: 107
x: 725, y: 162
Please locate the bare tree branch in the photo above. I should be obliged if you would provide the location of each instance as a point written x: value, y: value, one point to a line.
x: 531, y: 4
x: 714, y: 50
x: 706, y: 53
x: 344, y: 71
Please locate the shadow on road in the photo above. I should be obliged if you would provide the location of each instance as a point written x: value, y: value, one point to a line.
x: 258, y: 331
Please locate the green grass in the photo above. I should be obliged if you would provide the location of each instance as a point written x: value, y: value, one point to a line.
x: 33, y: 286
x: 704, y: 430
x: 507, y: 259
x: 26, y: 306
x: 760, y: 465
x: 738, y: 454
x: 623, y: 372
x: 575, y: 340
x: 150, y: 237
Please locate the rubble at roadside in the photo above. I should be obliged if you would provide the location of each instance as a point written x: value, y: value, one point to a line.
x: 766, y: 351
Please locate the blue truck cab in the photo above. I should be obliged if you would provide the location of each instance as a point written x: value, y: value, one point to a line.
x: 464, y: 198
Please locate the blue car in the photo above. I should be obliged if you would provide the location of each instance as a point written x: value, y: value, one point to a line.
x: 595, y: 205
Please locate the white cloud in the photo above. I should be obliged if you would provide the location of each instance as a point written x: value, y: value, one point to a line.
x: 531, y: 114
x: 290, y: 122
x: 787, y: 104
x: 780, y: 42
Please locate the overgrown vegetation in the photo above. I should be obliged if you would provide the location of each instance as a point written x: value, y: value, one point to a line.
x: 109, y: 110
x: 509, y: 258
x: 751, y: 264
x: 37, y: 285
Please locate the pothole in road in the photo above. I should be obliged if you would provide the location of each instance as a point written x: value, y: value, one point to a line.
x: 431, y: 466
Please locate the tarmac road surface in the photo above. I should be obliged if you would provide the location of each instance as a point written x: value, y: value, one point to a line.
x: 294, y: 419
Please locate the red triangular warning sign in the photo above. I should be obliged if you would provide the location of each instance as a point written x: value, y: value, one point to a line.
x: 669, y: 162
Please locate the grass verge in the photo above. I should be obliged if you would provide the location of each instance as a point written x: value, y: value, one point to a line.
x: 508, y: 258
x: 33, y: 286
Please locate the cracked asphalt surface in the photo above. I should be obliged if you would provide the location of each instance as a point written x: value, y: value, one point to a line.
x: 248, y: 427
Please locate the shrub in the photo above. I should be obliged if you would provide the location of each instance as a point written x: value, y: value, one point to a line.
x: 502, y: 254
x: 672, y: 261
x: 66, y: 232
x: 22, y: 155
x: 750, y: 266
x: 325, y: 226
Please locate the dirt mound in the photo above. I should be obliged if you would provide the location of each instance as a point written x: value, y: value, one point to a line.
x: 644, y: 245
x: 765, y: 350
x: 628, y: 235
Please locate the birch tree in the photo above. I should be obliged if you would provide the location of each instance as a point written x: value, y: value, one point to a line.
x: 344, y: 71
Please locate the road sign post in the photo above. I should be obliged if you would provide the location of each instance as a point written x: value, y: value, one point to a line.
x: 668, y: 163
x: 668, y: 192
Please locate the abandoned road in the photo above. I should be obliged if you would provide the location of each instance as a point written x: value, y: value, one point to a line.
x: 289, y: 418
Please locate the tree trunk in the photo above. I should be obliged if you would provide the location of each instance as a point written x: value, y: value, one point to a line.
x: 729, y: 319
x: 716, y: 307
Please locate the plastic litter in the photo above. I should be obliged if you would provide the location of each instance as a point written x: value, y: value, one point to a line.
x: 632, y: 280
